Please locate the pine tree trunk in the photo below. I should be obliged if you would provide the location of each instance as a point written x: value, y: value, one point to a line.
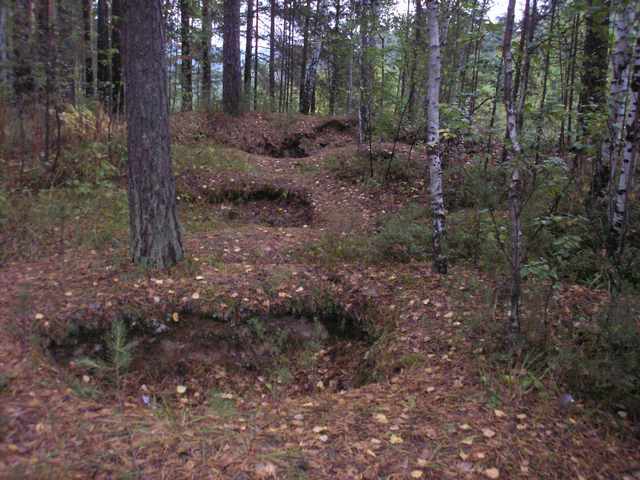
x: 433, y: 140
x: 307, y: 102
x: 231, y: 74
x: 336, y: 64
x: 248, y: 55
x: 104, y: 57
x: 185, y: 65
x: 87, y: 15
x: 419, y: 25
x: 4, y: 46
x: 155, y: 234
x: 255, y: 59
x: 365, y: 114
x: 24, y: 83
x: 117, y: 12
x: 305, y: 55
x: 65, y: 74
x: 205, y: 50
x: 272, y: 56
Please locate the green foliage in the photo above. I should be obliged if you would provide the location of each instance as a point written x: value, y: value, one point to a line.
x: 59, y: 218
x: 601, y: 359
x: 356, y: 167
x: 209, y: 156
x: 119, y: 354
x: 404, y: 236
x: 221, y: 404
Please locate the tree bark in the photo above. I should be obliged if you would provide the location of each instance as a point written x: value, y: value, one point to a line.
x: 365, y: 115
x: 248, y: 55
x: 433, y: 140
x: 255, y: 59
x: 156, y: 239
x: 231, y: 74
x: 117, y: 13
x: 87, y: 16
x: 512, y: 148
x: 307, y: 94
x: 4, y: 45
x: 205, y: 49
x: 593, y: 96
x: 619, y: 198
x: 185, y: 64
x: 522, y: 83
x: 272, y: 56
x: 24, y: 83
x: 104, y: 57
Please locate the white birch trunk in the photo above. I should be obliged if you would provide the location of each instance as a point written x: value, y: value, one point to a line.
x: 619, y: 198
x: 512, y: 148
x: 433, y: 139
x: 623, y: 19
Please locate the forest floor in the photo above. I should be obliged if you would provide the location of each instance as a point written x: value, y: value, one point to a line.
x: 410, y: 394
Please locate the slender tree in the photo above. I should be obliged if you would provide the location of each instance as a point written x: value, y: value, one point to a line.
x: 155, y: 234
x: 186, y: 60
x: 512, y: 148
x: 272, y: 55
x: 87, y: 15
x: 307, y: 95
x: 593, y: 96
x: 4, y: 45
x: 248, y: 55
x: 104, y: 57
x: 205, y: 59
x: 433, y: 139
x: 255, y: 59
x: 22, y: 52
x: 117, y: 12
x: 365, y: 114
x: 231, y: 74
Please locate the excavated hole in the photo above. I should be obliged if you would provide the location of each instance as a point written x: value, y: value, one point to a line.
x: 253, y: 355
x: 266, y: 205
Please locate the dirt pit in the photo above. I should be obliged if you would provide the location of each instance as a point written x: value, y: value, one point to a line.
x: 271, y: 206
x: 196, y: 359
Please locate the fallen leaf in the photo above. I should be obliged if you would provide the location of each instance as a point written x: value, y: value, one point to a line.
x: 492, y: 472
x: 181, y: 389
x: 381, y: 418
x: 395, y: 439
x: 487, y: 432
x: 416, y: 474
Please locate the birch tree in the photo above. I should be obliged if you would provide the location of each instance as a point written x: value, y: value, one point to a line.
x: 623, y: 17
x: 511, y: 150
x: 433, y: 139
x: 630, y: 150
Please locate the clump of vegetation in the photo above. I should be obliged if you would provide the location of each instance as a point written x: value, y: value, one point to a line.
x: 374, y: 168
x: 118, y: 356
x: 209, y: 156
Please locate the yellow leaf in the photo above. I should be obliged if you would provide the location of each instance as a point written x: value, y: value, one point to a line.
x: 175, y: 317
x: 395, y: 439
x: 499, y: 413
x: 181, y: 389
x: 416, y: 474
x: 381, y: 418
x: 492, y: 472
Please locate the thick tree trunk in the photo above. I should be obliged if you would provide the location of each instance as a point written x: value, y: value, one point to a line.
x: 231, y: 74
x: 619, y: 198
x: 512, y: 148
x: 117, y: 13
x: 272, y: 56
x: 248, y: 55
x: 185, y: 65
x: 87, y: 16
x: 205, y: 50
x: 433, y: 140
x: 155, y: 234
x: 104, y: 57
